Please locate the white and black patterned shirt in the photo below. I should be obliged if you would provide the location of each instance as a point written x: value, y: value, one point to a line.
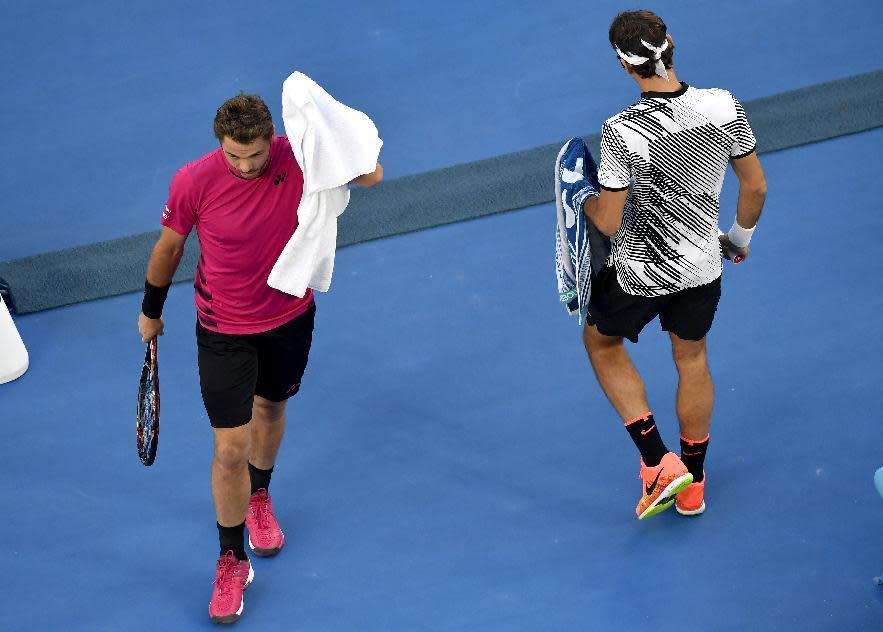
x: 671, y: 150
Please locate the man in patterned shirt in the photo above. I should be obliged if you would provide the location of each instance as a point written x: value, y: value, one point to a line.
x: 662, y: 167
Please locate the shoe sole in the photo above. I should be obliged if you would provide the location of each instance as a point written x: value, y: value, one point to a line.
x: 266, y: 552
x: 231, y: 618
x: 691, y: 512
x: 666, y: 498
x: 658, y: 508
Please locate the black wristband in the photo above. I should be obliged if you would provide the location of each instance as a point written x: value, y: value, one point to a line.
x: 154, y: 299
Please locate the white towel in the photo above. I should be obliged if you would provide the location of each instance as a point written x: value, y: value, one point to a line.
x: 333, y: 144
x: 13, y: 355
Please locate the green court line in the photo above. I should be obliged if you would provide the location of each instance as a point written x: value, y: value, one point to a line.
x: 442, y: 196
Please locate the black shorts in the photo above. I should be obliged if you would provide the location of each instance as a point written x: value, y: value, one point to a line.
x: 688, y: 314
x: 233, y: 368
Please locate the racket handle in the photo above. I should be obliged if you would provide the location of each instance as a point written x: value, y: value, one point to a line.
x: 737, y: 258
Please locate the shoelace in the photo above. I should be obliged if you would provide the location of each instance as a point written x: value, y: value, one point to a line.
x: 261, y: 505
x: 226, y: 573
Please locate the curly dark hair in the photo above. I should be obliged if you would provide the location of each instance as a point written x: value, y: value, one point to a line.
x: 627, y: 31
x: 244, y: 118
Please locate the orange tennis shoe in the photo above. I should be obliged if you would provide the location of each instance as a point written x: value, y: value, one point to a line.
x: 691, y: 501
x: 264, y: 535
x: 660, y: 484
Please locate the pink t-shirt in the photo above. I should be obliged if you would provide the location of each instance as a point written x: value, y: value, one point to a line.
x: 243, y: 225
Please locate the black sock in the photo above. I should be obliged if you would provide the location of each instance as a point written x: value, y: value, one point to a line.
x: 233, y: 539
x: 646, y: 437
x: 693, y: 456
x: 260, y: 479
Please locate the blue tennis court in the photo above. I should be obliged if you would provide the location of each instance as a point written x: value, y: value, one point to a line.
x: 451, y: 463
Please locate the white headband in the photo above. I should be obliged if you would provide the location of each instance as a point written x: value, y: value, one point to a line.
x: 637, y: 60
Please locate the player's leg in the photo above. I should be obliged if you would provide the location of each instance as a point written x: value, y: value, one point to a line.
x: 265, y: 537
x: 230, y: 483
x: 614, y: 315
x: 688, y: 318
x: 695, y: 397
x: 267, y: 430
x: 227, y: 375
x: 282, y: 359
x: 230, y: 489
x: 617, y: 375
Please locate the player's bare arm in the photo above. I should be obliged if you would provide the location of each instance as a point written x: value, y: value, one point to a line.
x: 369, y: 180
x: 752, y: 194
x: 166, y: 256
x: 164, y: 261
x: 752, y: 189
x: 605, y: 211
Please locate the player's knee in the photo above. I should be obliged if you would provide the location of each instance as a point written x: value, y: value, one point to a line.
x: 597, y: 343
x: 231, y: 451
x: 266, y: 410
x: 689, y: 356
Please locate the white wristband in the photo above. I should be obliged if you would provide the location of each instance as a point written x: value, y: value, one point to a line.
x: 740, y: 237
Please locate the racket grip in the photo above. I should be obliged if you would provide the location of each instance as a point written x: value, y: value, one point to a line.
x: 737, y: 258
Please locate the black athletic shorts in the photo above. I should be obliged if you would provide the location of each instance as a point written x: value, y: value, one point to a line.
x: 688, y: 314
x: 233, y: 368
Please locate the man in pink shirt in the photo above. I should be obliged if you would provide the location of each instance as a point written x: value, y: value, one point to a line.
x: 253, y: 340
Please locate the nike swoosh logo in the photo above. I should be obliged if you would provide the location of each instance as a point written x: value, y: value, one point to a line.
x: 648, y: 430
x: 650, y: 488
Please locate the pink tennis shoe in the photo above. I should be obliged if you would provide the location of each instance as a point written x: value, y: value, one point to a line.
x: 264, y: 535
x: 232, y: 577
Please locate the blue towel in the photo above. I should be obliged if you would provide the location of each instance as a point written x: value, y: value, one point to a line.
x: 581, y: 250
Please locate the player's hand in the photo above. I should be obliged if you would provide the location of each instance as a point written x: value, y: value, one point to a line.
x: 150, y: 328
x: 731, y: 252
x: 368, y: 180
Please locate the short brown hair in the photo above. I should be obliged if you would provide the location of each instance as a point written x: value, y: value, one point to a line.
x: 627, y: 31
x: 244, y: 118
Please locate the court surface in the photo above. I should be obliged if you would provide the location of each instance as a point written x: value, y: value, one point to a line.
x: 451, y: 463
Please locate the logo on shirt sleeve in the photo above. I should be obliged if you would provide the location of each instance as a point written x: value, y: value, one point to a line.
x: 279, y: 178
x: 167, y: 213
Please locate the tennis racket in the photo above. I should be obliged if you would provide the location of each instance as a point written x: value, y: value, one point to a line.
x: 147, y: 417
